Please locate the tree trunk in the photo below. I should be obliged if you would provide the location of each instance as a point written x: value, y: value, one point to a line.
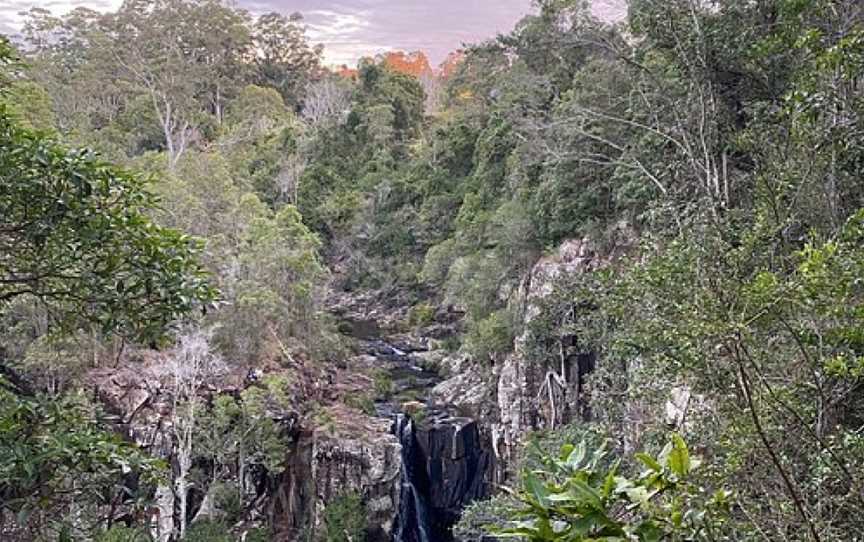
x: 182, y: 488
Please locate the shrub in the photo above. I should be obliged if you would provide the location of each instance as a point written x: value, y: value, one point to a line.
x: 361, y: 402
x: 259, y: 534
x: 421, y: 315
x: 438, y: 261
x: 227, y: 500
x: 582, y: 495
x: 345, y: 519
x: 480, y: 516
x: 123, y: 534
x: 208, y: 531
x: 383, y: 384
x: 491, y: 337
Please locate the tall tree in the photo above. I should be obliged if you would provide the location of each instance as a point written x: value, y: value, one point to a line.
x: 186, y: 368
x: 75, y: 236
x: 283, y: 56
x: 155, y: 43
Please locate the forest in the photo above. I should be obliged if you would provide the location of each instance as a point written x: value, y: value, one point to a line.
x: 601, y: 281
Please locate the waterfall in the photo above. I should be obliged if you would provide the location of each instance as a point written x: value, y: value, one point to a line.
x: 445, y: 462
x: 412, y: 524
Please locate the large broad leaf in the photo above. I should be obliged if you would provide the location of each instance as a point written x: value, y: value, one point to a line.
x: 609, y: 482
x: 586, y: 493
x: 537, y: 490
x: 679, y: 457
x: 577, y: 456
x: 649, y: 531
x: 638, y: 495
x: 587, y: 524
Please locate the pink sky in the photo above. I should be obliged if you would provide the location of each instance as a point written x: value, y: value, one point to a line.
x: 350, y: 29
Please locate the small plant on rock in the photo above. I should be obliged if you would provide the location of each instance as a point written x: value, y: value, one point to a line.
x: 421, y: 315
x: 345, y: 519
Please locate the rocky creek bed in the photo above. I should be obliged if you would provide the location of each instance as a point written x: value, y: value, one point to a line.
x: 428, y: 446
x: 446, y: 462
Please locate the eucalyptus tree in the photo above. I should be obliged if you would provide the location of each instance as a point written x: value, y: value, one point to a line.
x: 155, y: 44
x: 76, y: 238
x: 283, y: 58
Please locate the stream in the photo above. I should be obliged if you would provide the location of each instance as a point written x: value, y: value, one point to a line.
x: 446, y: 462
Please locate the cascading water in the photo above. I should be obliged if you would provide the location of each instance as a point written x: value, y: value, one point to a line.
x: 412, y: 524
x: 446, y: 463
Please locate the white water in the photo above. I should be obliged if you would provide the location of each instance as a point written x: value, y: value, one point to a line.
x: 412, y: 526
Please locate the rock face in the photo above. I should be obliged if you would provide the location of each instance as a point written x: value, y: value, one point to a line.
x: 338, y: 451
x: 448, y: 464
x: 414, y: 478
x: 356, y: 454
x: 139, y: 405
x: 140, y: 408
x: 519, y: 395
x: 458, y: 462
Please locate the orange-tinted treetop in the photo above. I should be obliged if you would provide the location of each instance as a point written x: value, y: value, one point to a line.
x: 415, y: 63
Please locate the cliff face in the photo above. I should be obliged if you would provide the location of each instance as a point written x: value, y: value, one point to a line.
x: 357, y: 454
x: 138, y: 400
x: 519, y: 395
x: 413, y: 477
x: 339, y: 451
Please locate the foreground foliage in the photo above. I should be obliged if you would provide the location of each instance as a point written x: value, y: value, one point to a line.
x: 59, y: 457
x: 708, y: 153
x: 75, y: 238
x: 583, y: 495
x: 75, y: 235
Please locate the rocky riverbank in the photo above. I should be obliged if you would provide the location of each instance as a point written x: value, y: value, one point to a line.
x: 416, y: 431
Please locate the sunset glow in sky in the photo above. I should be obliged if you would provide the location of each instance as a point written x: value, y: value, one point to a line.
x: 350, y: 29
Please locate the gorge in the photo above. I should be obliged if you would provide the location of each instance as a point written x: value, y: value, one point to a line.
x: 426, y: 448
x: 595, y: 279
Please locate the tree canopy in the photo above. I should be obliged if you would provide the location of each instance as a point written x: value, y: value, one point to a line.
x: 676, y: 196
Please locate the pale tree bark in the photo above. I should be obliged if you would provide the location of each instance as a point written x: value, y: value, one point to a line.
x: 432, y: 87
x: 186, y: 368
x: 156, y: 53
x: 326, y: 100
x: 288, y: 179
x: 176, y: 131
x: 692, y: 129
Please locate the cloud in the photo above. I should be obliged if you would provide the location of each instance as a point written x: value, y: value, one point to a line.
x: 351, y: 29
x: 344, y: 34
x: 11, y: 11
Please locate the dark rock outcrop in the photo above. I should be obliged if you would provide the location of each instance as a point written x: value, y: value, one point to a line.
x: 448, y: 464
x: 352, y: 454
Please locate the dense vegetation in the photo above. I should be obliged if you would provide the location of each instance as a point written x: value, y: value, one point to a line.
x: 712, y: 153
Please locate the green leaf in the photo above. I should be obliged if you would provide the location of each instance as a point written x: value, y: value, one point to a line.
x: 649, y: 462
x: 609, y: 483
x: 638, y: 495
x: 679, y: 457
x: 649, y: 531
x: 576, y: 456
x: 537, y: 489
x: 586, y: 493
